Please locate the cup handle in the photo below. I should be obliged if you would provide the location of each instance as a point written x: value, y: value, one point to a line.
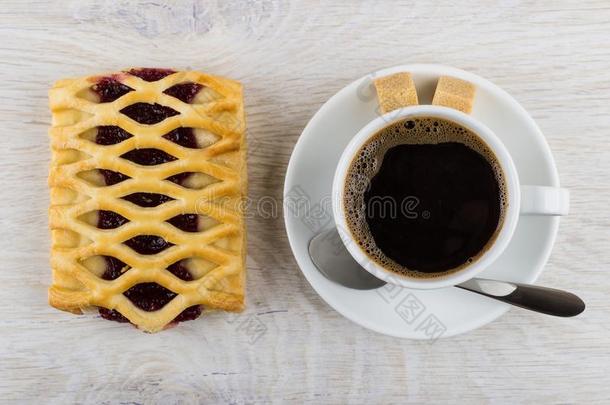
x: 543, y: 200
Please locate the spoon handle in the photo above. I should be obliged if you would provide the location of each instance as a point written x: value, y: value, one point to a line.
x: 539, y: 299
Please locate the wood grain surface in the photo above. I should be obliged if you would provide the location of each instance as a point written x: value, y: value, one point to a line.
x: 289, y: 346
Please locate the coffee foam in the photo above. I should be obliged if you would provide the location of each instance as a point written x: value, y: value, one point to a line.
x: 365, y: 165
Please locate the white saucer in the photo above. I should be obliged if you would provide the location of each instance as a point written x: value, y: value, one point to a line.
x: 392, y: 310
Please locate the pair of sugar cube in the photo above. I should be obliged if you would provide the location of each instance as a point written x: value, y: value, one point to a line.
x: 398, y: 90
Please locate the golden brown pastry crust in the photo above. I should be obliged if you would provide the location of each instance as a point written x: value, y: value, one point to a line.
x: 75, y: 286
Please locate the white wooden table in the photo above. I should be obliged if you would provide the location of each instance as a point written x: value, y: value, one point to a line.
x: 553, y: 56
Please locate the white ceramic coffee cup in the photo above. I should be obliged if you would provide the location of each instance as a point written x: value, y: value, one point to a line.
x: 521, y: 199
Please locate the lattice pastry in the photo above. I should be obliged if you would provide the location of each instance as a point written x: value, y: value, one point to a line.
x: 147, y: 178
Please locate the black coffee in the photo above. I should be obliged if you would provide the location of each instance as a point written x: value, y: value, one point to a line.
x: 424, y: 197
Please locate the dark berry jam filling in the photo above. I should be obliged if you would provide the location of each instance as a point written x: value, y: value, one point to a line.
x: 183, y: 137
x: 185, y: 222
x: 113, y: 268
x: 151, y: 74
x: 148, y: 296
x: 109, y: 89
x: 111, y: 177
x: 148, y: 156
x: 180, y: 271
x: 110, y: 135
x: 110, y: 220
x: 112, y: 315
x: 148, y: 244
x: 145, y: 113
x: 184, y: 92
x: 147, y: 199
x: 180, y: 178
x: 189, y: 314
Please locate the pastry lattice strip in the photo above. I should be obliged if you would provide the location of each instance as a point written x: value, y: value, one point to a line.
x: 74, y: 285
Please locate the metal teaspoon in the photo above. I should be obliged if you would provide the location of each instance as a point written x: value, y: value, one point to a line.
x: 334, y: 261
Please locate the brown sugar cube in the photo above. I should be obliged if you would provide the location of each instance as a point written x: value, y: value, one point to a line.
x: 454, y: 93
x: 395, y: 91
